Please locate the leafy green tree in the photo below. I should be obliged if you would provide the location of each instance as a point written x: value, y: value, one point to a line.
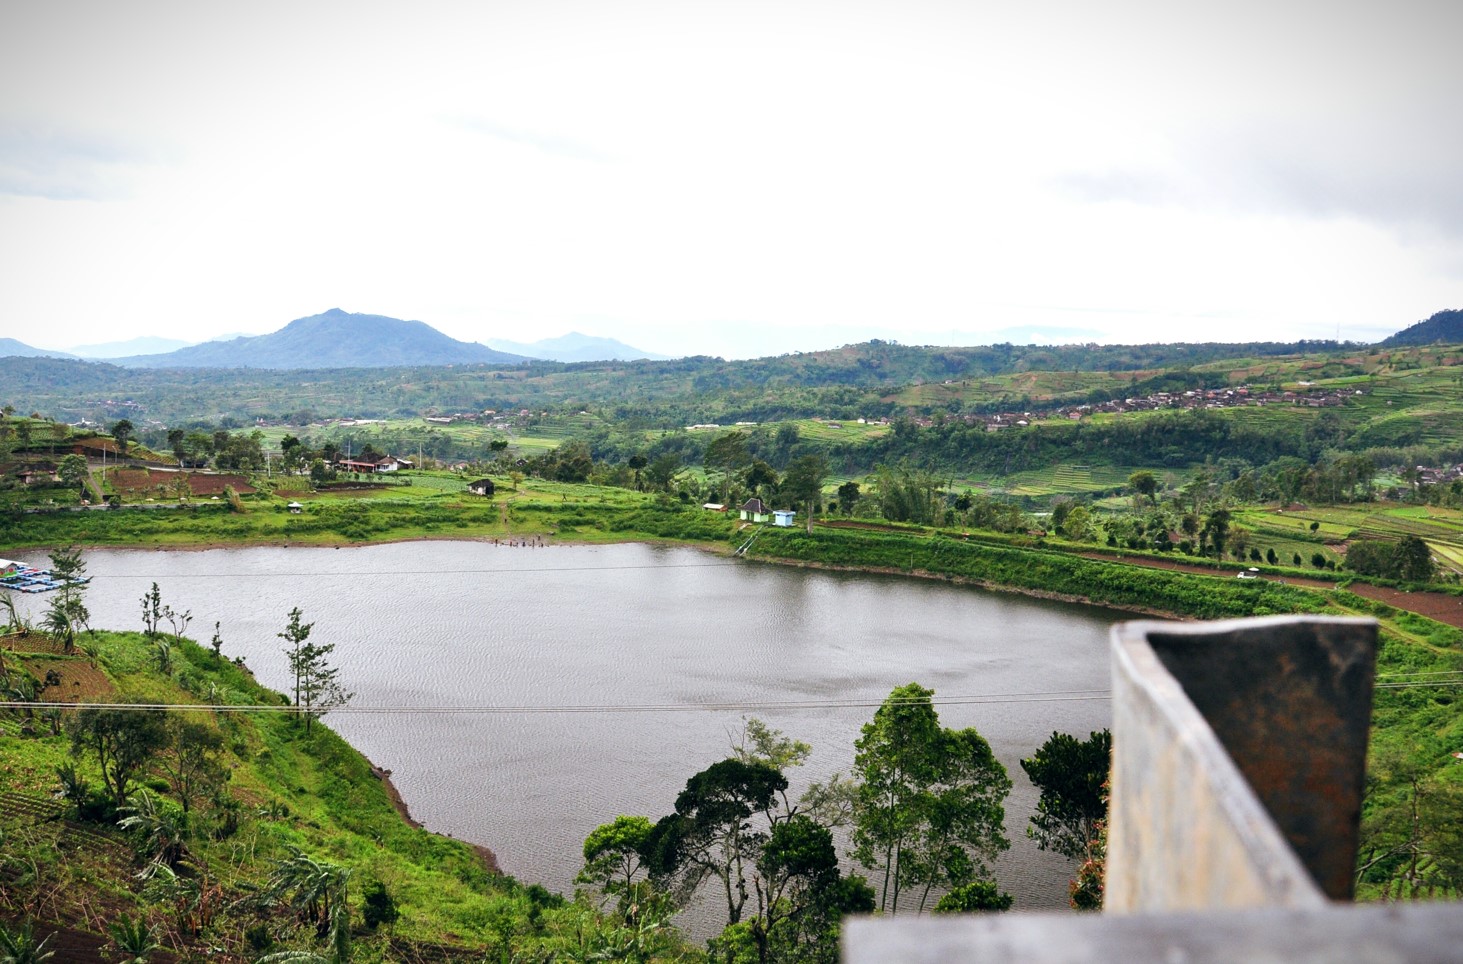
x: 1413, y: 560
x: 711, y: 834
x: 929, y: 806
x: 980, y: 895
x: 66, y: 613
x: 72, y: 471
x: 316, y: 689
x: 848, y: 497
x: 726, y: 454
x: 152, y: 611
x: 661, y: 473
x: 164, y: 832
x: 1070, y: 773
x: 124, y: 741
x: 176, y: 439
x: 612, y: 858
x: 1144, y: 485
x: 192, y: 760
x: 804, y: 483
x: 122, y: 431
x: 637, y: 464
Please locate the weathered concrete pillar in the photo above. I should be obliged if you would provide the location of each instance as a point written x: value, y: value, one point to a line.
x: 1239, y: 759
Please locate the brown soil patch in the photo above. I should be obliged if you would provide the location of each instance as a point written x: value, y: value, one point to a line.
x: 135, y: 483
x: 80, y: 682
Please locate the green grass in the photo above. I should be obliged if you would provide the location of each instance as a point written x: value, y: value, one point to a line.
x: 289, y: 789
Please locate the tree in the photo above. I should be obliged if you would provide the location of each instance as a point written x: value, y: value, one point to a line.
x: 710, y: 835
x: 804, y: 482
x: 72, y: 471
x: 726, y: 453
x: 848, y: 496
x: 981, y: 895
x: 612, y: 858
x: 929, y: 806
x: 637, y: 464
x: 122, y: 431
x: 176, y: 438
x: 662, y: 471
x: 152, y: 611
x: 1070, y: 773
x: 1144, y: 485
x: 1413, y: 560
x: 315, y: 689
x: 66, y: 613
x: 124, y: 741
x: 192, y: 759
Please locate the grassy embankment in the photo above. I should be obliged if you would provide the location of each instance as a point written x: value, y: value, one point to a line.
x: 287, y: 791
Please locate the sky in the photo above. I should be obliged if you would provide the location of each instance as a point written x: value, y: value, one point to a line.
x: 736, y: 179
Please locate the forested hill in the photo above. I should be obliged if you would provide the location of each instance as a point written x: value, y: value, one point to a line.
x: 846, y: 382
x: 1443, y: 328
x: 332, y: 339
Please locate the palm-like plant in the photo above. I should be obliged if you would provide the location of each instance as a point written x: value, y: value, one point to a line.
x: 316, y: 891
x: 133, y: 938
x: 21, y: 947
x: 163, y: 833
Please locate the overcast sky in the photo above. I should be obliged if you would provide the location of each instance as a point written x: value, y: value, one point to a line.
x: 736, y: 179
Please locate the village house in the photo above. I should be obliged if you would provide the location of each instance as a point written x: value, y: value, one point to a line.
x: 481, y: 487
x: 753, y: 510
x: 372, y: 463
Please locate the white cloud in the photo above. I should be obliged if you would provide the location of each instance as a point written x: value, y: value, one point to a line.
x: 732, y: 179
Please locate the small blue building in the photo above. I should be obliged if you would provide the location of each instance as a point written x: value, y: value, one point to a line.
x: 783, y: 517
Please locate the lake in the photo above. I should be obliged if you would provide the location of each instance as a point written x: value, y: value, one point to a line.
x: 594, y: 680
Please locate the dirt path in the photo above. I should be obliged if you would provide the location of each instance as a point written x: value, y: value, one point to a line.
x: 1434, y: 605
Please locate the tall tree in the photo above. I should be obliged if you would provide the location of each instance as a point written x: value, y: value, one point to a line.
x: 711, y: 835
x: 1145, y: 485
x: 124, y: 741
x: 1070, y: 773
x: 192, y: 759
x: 804, y: 482
x: 122, y: 431
x: 725, y: 454
x: 612, y: 859
x: 929, y: 808
x: 316, y: 689
x: 72, y: 471
x: 66, y: 613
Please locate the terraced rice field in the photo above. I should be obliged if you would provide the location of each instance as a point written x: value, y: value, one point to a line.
x: 1061, y: 479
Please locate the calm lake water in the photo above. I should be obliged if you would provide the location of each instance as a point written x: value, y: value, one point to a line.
x: 593, y: 669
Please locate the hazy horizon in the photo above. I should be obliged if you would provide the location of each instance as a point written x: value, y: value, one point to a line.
x: 739, y: 181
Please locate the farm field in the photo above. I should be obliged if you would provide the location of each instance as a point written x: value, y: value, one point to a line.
x: 1062, y: 479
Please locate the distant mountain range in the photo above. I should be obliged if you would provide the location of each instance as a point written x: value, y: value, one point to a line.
x: 342, y: 339
x: 575, y: 347
x: 1445, y: 327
